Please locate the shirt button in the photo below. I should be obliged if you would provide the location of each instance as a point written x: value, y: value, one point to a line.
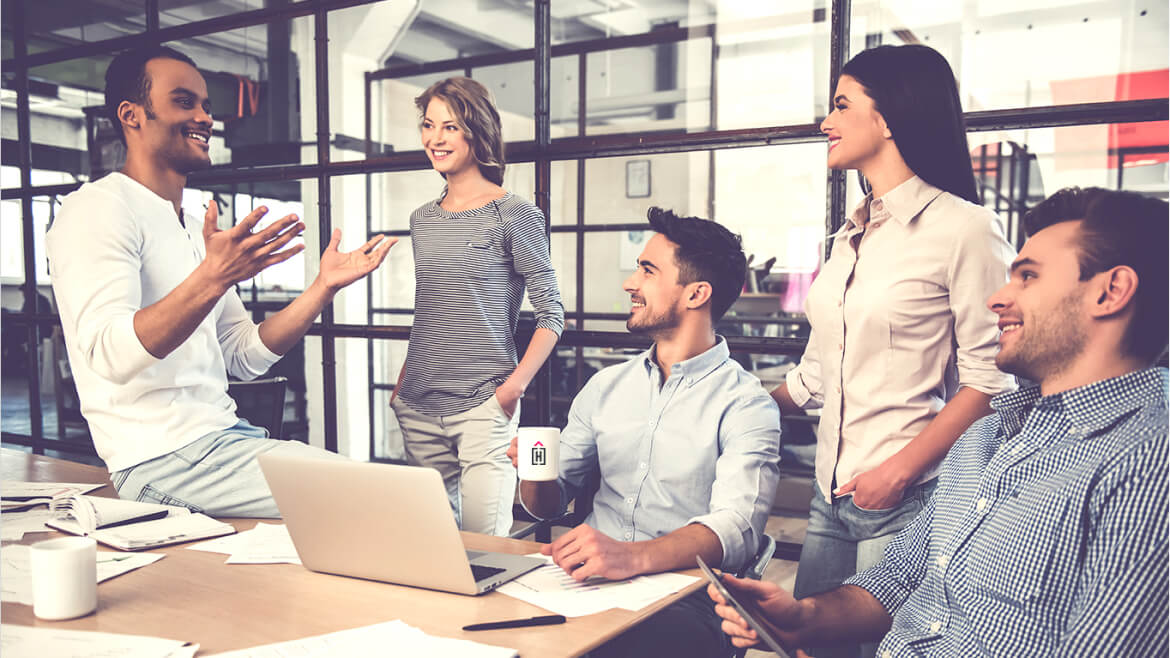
x: 629, y: 535
x: 642, y: 466
x: 840, y: 346
x: 838, y: 303
x: 838, y: 389
x: 887, y: 654
x: 630, y: 501
x: 936, y: 627
x: 1016, y: 450
x: 943, y: 560
x: 981, y: 505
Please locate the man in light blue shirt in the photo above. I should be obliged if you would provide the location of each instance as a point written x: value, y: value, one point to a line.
x: 686, y: 441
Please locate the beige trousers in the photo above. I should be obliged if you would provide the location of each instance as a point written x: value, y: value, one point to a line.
x: 469, y: 450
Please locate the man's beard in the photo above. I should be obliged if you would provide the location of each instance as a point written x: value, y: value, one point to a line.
x: 664, y: 321
x: 1050, y: 345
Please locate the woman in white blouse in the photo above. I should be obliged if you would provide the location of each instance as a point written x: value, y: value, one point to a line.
x: 901, y: 354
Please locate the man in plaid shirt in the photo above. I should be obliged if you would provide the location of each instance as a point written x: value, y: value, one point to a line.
x: 1047, y: 533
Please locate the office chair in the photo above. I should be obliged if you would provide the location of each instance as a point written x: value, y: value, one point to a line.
x: 755, y: 571
x: 261, y: 402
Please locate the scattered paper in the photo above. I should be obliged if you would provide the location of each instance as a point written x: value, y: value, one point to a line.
x: 39, y: 641
x: 12, y: 490
x: 267, y: 543
x: 16, y: 572
x: 375, y: 640
x: 14, y: 525
x: 549, y: 587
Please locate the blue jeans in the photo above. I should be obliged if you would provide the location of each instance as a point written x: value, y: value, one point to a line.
x: 844, y: 539
x: 216, y: 474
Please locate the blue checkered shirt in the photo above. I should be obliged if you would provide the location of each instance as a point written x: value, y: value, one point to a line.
x: 1046, y: 536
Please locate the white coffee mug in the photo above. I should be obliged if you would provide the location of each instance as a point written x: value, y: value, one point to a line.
x: 64, y: 577
x: 538, y: 453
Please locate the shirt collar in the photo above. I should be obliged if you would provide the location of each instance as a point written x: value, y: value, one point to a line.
x: 148, y: 196
x: 695, y: 368
x: 903, y: 203
x: 1090, y: 407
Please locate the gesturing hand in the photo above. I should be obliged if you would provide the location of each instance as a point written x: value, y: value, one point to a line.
x: 338, y: 269
x: 584, y: 551
x: 237, y: 254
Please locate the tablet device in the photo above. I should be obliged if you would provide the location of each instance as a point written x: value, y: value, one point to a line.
x: 750, y: 617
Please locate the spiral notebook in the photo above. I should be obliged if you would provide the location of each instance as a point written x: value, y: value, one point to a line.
x: 132, y: 525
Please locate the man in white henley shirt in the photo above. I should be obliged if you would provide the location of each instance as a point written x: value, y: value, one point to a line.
x: 148, y: 306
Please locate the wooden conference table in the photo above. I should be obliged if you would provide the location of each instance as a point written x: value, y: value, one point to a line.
x: 194, y: 596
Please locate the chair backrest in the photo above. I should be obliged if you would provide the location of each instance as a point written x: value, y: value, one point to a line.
x: 261, y: 402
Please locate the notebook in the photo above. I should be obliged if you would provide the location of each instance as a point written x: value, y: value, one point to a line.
x: 132, y: 525
x: 381, y: 522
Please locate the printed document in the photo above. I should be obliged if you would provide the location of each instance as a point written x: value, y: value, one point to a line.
x: 266, y: 543
x: 41, y: 641
x: 374, y: 640
x: 549, y: 587
x: 16, y: 572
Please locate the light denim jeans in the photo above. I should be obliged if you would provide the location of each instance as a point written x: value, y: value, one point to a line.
x: 469, y: 450
x: 216, y: 474
x: 844, y: 539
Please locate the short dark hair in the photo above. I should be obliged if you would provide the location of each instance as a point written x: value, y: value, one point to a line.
x: 126, y: 79
x: 1119, y: 228
x: 706, y: 251
x: 914, y: 90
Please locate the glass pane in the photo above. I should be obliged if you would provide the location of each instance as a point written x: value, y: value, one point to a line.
x: 56, y: 24
x: 1126, y: 57
x: 563, y: 197
x: 1037, y: 162
x: 260, y: 80
x: 389, y: 355
x: 181, y: 12
x: 619, y: 190
x: 563, y: 249
x: 709, y: 81
x: 67, y: 100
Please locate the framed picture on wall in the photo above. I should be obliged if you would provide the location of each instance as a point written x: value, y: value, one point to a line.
x: 637, y: 179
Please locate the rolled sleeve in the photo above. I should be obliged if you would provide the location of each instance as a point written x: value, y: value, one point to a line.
x: 746, y: 475
x: 95, y: 268
x: 804, y: 381
x: 980, y: 262
x: 531, y: 260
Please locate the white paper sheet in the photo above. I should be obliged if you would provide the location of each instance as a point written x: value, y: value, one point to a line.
x: 38, y: 642
x: 16, y: 573
x: 14, y: 525
x: 549, y: 587
x: 375, y: 640
x: 266, y: 543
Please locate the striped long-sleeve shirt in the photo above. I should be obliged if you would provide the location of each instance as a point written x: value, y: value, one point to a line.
x: 471, y: 269
x: 1047, y: 533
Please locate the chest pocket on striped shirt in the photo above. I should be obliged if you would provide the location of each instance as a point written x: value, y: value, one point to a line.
x: 1018, y: 553
x: 484, y: 258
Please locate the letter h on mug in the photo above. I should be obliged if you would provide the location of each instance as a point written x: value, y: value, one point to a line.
x: 538, y: 450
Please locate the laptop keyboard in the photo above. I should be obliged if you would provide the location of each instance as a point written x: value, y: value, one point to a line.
x: 480, y: 572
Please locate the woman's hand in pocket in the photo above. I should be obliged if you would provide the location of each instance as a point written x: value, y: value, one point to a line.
x: 878, y: 489
x: 508, y: 396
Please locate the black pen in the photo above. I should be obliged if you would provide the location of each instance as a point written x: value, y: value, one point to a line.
x: 517, y: 623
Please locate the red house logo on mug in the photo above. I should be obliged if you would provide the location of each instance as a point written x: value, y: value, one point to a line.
x: 538, y: 458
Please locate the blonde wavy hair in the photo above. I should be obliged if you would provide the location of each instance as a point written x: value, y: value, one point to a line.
x: 475, y: 113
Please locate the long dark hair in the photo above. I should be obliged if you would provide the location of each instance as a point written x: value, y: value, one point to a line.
x: 914, y: 89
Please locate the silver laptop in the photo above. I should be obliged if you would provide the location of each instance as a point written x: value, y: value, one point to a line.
x: 381, y: 522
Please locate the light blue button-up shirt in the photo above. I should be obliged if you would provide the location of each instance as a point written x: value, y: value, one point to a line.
x: 700, y: 447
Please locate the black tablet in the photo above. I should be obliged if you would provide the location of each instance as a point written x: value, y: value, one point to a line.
x: 750, y: 617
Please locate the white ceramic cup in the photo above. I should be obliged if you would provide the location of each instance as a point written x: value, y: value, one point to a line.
x: 538, y: 453
x: 64, y: 577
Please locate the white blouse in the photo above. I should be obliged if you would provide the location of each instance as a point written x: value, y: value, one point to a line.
x: 897, y: 330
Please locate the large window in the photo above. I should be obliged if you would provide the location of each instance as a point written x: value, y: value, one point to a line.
x: 707, y: 107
